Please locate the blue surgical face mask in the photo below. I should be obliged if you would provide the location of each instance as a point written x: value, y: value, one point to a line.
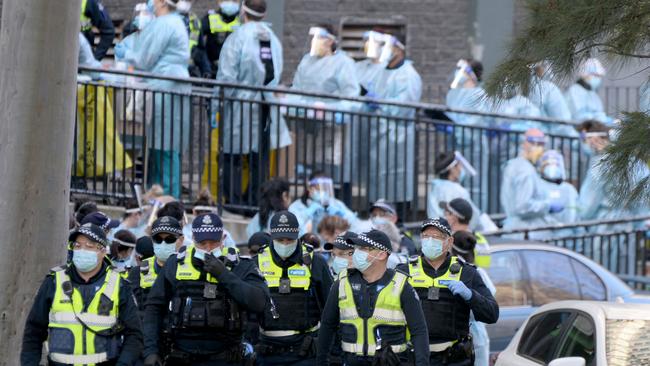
x: 360, y: 260
x: 379, y: 221
x: 552, y: 172
x: 595, y: 82
x: 164, y: 251
x: 285, y: 250
x: 339, y: 264
x: 462, y: 176
x: 151, y: 7
x: 229, y: 8
x: 84, y: 260
x: 200, y: 253
x: 321, y: 197
x: 432, y: 248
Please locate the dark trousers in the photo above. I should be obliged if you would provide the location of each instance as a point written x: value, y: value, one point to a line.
x: 440, y: 359
x: 285, y: 359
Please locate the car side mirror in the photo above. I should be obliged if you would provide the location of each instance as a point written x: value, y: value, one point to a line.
x: 568, y: 361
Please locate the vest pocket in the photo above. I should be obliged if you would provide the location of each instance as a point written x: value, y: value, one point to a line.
x: 60, y: 340
x: 348, y: 333
x: 110, y: 345
x: 391, y: 333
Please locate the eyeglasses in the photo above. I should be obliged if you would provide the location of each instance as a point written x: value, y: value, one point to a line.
x: 169, y: 239
x: 438, y: 237
x: 87, y: 245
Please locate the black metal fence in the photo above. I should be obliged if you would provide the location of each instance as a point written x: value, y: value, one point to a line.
x: 620, y: 245
x: 193, y: 134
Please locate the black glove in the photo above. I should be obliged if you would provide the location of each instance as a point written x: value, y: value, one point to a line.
x: 153, y: 360
x: 213, y: 265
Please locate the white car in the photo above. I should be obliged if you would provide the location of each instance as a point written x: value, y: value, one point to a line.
x: 582, y: 333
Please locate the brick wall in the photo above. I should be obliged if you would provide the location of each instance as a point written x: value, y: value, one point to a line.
x: 437, y: 31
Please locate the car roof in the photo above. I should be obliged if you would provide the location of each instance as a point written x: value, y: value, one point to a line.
x: 621, y: 289
x: 612, y: 310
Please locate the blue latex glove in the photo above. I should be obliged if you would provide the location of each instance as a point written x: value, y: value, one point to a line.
x: 120, y: 50
x: 373, y: 106
x: 555, y: 207
x: 335, y: 210
x: 458, y: 288
x: 314, y: 209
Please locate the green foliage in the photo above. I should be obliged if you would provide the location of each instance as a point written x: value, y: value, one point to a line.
x: 564, y: 33
x: 625, y: 159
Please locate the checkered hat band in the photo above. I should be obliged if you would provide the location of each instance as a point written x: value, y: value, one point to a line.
x: 373, y: 243
x: 437, y: 225
x: 93, y: 236
x: 285, y: 230
x: 340, y: 241
x: 211, y: 229
x: 166, y: 229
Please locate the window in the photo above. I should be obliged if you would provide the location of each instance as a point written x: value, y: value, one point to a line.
x: 591, y: 286
x: 580, y: 340
x: 507, y: 273
x: 551, y: 277
x: 542, y: 334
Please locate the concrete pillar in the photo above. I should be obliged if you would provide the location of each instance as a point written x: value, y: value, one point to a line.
x: 38, y: 67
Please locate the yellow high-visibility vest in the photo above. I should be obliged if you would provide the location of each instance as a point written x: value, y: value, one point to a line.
x: 388, y: 311
x: 63, y: 321
x: 86, y: 23
x: 419, y: 279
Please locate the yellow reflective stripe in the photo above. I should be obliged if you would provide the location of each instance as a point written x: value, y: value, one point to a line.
x: 349, y: 314
x: 147, y: 280
x: 185, y: 270
x: 91, y: 320
x: 79, y: 359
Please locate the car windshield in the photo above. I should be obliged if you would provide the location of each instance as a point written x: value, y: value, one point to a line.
x: 628, y: 342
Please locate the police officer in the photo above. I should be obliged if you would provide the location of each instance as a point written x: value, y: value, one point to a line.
x: 299, y: 282
x: 199, y: 63
x: 458, y: 213
x: 216, y: 26
x: 85, y: 310
x: 94, y: 14
x: 167, y: 238
x: 199, y: 300
x: 449, y: 289
x: 375, y: 309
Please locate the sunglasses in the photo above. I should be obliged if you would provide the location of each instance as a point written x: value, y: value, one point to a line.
x: 169, y: 240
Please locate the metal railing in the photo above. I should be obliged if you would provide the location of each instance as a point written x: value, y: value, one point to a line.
x: 190, y: 134
x: 620, y: 245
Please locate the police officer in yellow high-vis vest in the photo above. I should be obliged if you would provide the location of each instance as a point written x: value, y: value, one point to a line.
x: 85, y: 310
x: 199, y: 63
x: 200, y: 300
x: 449, y: 289
x: 167, y: 238
x: 375, y: 310
x: 299, y: 281
x: 94, y: 14
x: 458, y: 212
x: 216, y: 26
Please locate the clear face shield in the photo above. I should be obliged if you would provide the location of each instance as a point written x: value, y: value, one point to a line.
x: 462, y: 73
x: 320, y: 42
x: 466, y: 165
x: 142, y: 16
x: 373, y: 44
x: 387, y: 51
x: 551, y: 166
x: 322, y: 190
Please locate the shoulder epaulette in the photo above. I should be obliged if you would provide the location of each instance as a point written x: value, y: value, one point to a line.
x: 59, y: 268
